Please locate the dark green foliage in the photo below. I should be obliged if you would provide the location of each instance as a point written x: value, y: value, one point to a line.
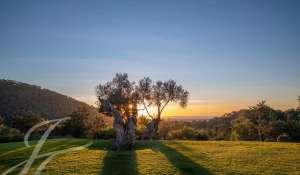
x: 24, y: 123
x: 82, y: 124
x: 10, y: 135
x: 2, y: 124
x: 243, y: 129
x: 260, y: 122
x: 187, y: 133
x: 76, y: 125
x: 106, y: 134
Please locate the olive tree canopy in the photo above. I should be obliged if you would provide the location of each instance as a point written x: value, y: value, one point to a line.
x: 158, y: 95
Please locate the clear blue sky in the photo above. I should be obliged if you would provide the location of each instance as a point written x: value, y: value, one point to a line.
x: 228, y: 54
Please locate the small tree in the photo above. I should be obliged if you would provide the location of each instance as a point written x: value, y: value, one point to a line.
x: 76, y: 125
x: 2, y: 125
x: 24, y: 123
x: 159, y: 95
x: 94, y: 124
x: 261, y: 115
x: 243, y: 129
x: 299, y: 102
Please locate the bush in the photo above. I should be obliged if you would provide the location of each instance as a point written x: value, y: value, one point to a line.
x: 140, y: 132
x: 187, y: 133
x: 283, y: 138
x: 202, y: 136
x: 270, y: 139
x: 106, y: 134
x: 10, y: 135
x: 234, y: 136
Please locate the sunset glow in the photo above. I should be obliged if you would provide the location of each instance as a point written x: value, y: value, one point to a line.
x: 228, y: 55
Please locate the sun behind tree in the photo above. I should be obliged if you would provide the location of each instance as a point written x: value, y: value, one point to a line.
x: 120, y: 97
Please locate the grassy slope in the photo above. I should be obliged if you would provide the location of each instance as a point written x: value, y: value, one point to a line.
x: 169, y: 157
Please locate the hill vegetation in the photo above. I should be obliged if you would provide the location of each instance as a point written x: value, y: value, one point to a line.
x: 19, y: 99
x: 23, y: 105
x: 260, y: 122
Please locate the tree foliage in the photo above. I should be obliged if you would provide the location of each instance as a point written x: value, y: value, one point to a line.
x: 259, y: 122
x: 158, y: 95
x: 83, y: 124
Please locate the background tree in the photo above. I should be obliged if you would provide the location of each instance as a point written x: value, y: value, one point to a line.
x: 243, y: 129
x: 27, y: 121
x: 1, y: 122
x: 293, y: 123
x: 76, y: 125
x: 260, y: 117
x: 298, y: 102
x: 83, y: 123
x: 95, y: 124
x: 159, y: 95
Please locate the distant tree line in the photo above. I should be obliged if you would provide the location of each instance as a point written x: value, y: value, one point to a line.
x: 260, y: 122
x: 257, y: 123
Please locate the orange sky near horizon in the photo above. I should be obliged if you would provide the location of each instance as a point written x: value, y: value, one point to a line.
x: 217, y: 109
x: 204, y: 108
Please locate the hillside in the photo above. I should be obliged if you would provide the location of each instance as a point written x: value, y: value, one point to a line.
x: 17, y: 98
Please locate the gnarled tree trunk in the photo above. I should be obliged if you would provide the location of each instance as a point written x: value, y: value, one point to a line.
x: 124, y: 130
x: 118, y: 126
x: 130, y: 132
x: 153, y: 127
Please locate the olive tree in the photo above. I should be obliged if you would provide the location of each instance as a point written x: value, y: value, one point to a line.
x: 120, y: 97
x: 158, y: 95
x: 117, y: 98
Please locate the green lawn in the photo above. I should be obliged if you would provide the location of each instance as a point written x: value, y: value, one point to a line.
x: 167, y: 157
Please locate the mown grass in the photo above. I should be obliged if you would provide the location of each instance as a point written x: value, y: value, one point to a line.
x: 166, y: 157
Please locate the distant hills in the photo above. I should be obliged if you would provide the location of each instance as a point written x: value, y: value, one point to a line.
x: 189, y: 118
x: 17, y: 98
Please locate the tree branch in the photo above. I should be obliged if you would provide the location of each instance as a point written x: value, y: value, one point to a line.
x: 147, y: 111
x: 165, y: 105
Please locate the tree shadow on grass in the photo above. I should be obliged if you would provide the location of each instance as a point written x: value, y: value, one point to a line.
x: 120, y: 163
x: 184, y: 164
x: 125, y: 162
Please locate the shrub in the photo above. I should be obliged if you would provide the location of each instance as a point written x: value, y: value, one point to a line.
x: 283, y: 138
x: 106, y: 134
x: 187, y: 133
x: 201, y: 136
x: 270, y: 139
x: 234, y: 136
x: 10, y: 135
